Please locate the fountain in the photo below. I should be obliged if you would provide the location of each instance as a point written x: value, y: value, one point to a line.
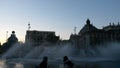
x: 28, y: 55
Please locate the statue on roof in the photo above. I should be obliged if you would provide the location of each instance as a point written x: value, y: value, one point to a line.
x: 88, y: 22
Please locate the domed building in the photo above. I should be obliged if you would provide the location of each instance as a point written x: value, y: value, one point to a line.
x: 12, y: 39
x: 89, y: 35
x: 10, y: 42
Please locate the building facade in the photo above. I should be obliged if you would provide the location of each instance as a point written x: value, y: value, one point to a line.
x: 90, y: 35
x: 39, y: 37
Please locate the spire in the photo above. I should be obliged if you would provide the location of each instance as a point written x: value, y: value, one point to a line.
x: 88, y: 22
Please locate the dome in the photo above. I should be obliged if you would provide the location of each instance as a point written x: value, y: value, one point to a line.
x: 87, y: 27
x: 13, y: 38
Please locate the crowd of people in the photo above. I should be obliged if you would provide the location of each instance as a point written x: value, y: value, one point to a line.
x: 66, y: 61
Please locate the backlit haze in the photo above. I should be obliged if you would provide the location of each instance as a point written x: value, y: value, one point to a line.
x: 60, y: 16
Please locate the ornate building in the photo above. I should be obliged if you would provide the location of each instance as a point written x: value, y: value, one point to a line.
x: 10, y: 42
x: 90, y: 35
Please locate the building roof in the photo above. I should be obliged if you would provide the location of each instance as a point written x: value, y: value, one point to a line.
x: 41, y: 31
x: 87, y: 27
x: 112, y: 27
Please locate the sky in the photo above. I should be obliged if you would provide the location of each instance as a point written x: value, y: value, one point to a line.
x: 60, y: 16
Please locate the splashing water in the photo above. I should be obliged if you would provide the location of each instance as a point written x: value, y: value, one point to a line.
x: 28, y: 53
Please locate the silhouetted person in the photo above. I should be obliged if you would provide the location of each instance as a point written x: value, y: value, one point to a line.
x: 44, y: 63
x: 67, y: 62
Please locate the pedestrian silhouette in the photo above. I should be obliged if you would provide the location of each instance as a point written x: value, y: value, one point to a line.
x: 44, y: 63
x: 67, y: 62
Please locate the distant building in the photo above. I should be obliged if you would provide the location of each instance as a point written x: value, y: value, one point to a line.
x: 90, y: 35
x: 12, y: 39
x: 10, y: 42
x: 38, y: 37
